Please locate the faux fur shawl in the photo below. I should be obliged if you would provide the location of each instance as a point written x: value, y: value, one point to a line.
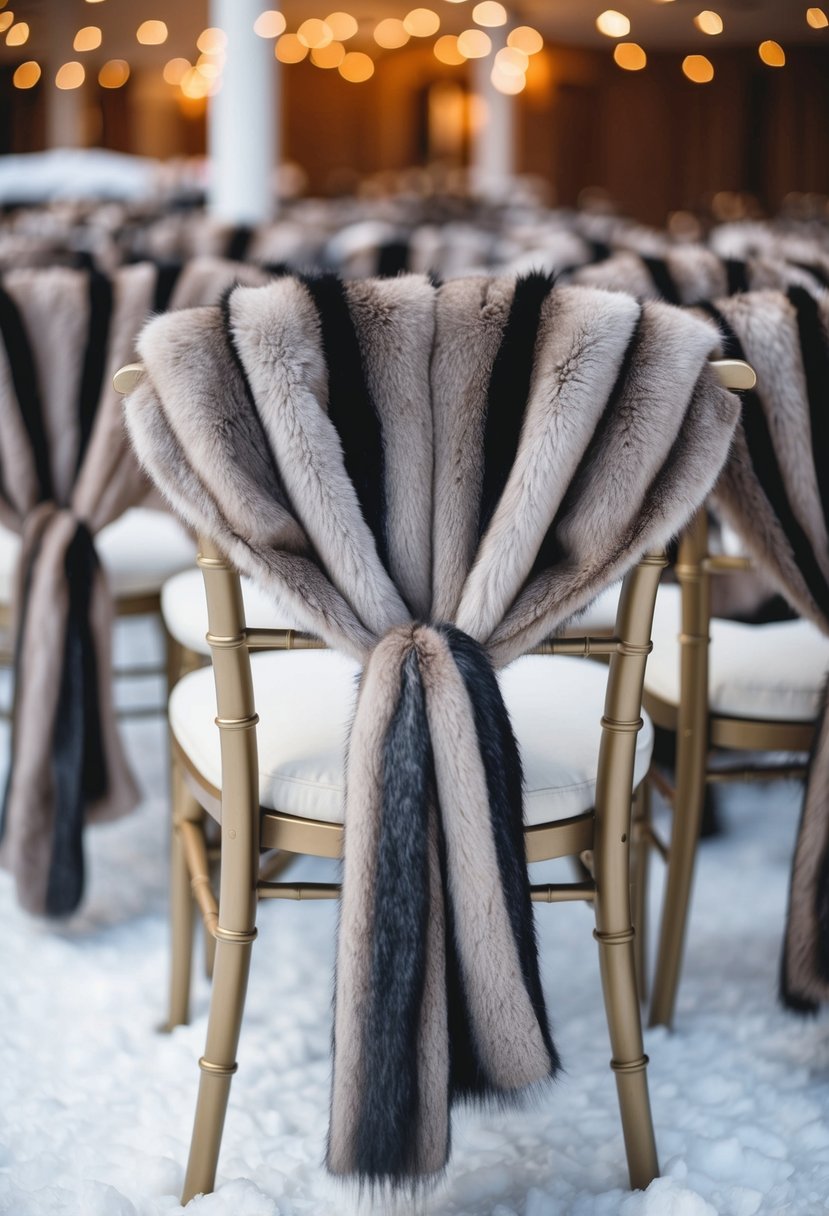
x: 432, y: 480
x: 775, y: 493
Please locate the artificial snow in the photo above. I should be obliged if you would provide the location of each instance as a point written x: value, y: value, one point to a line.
x: 96, y: 1106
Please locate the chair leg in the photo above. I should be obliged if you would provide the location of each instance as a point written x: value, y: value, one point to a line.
x: 678, y: 885
x: 691, y: 762
x: 218, y: 1064
x: 629, y: 1062
x: 641, y: 859
x: 227, y: 1002
x: 182, y: 907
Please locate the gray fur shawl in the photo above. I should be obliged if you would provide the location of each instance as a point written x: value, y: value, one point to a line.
x: 432, y: 479
x: 775, y: 494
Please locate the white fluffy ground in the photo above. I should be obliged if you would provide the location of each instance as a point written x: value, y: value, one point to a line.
x: 95, y: 1106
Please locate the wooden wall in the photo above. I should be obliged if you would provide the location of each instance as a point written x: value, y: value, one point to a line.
x: 652, y: 140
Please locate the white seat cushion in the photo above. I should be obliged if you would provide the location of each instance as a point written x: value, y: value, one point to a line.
x: 184, y: 609
x: 305, y: 700
x: 772, y: 672
x: 139, y: 551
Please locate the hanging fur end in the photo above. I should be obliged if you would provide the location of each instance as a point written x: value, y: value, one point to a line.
x: 449, y: 1015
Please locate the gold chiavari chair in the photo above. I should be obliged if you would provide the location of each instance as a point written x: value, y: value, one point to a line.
x: 256, y: 839
x: 744, y: 708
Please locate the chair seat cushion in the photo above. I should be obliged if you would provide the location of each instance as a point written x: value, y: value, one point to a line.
x: 139, y: 551
x: 184, y: 609
x: 306, y: 699
x: 771, y: 672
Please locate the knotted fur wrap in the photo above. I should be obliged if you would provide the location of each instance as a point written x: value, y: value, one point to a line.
x: 431, y: 479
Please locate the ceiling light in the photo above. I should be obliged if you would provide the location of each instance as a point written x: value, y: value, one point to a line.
x: 70, y: 75
x: 26, y: 75
x: 474, y: 44
x: 114, y: 73
x: 772, y: 54
x: 613, y: 23
x: 87, y: 39
x: 525, y: 38
x: 269, y: 24
x: 708, y: 22
x: 698, y: 68
x: 151, y: 33
x: 630, y: 56
x: 356, y: 67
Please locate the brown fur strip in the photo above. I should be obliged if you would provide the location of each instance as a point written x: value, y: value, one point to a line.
x: 580, y: 346
x: 470, y: 319
x: 278, y: 343
x: 379, y: 694
x: 505, y: 1025
x: 766, y: 324
x: 804, y: 976
x: 395, y: 322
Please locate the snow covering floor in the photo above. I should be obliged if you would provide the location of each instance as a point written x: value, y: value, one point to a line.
x: 96, y: 1107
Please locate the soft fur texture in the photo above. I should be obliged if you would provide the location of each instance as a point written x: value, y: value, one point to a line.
x: 388, y: 457
x: 67, y: 471
x: 774, y: 494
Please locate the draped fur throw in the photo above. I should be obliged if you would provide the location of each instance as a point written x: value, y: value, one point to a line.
x: 431, y: 479
x: 775, y: 493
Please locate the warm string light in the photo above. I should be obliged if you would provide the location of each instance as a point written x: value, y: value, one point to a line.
x: 114, y: 73
x: 816, y: 18
x: 6, y: 20
x: 613, y: 24
x: 489, y: 13
x: 772, y: 54
x: 70, y: 75
x: 356, y: 67
x: 421, y: 22
x: 151, y: 33
x: 391, y: 34
x: 630, y: 56
x: 270, y: 24
x: 698, y: 68
x: 709, y: 22
x: 18, y: 35
x: 87, y: 39
x: 27, y: 75
x: 342, y: 25
x: 474, y: 44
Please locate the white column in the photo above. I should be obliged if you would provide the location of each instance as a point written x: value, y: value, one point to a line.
x: 65, y: 108
x: 493, y: 131
x: 242, y: 120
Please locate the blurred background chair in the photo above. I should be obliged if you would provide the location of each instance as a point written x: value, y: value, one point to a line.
x: 719, y: 686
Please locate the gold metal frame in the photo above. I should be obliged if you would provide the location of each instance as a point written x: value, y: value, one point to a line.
x: 599, y: 838
x: 248, y: 831
x: 697, y: 732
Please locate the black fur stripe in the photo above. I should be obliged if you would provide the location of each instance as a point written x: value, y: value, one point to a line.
x: 663, y: 280
x: 814, y: 350
x: 351, y: 407
x: 502, y: 764
x: 736, y: 272
x: 817, y: 272
x: 95, y: 358
x: 509, y: 389
x: 385, y: 1146
x: 238, y: 243
x: 769, y: 475
x: 550, y: 550
x: 796, y: 1001
x: 78, y: 759
x: 24, y: 377
x: 166, y: 277
x: 393, y: 258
